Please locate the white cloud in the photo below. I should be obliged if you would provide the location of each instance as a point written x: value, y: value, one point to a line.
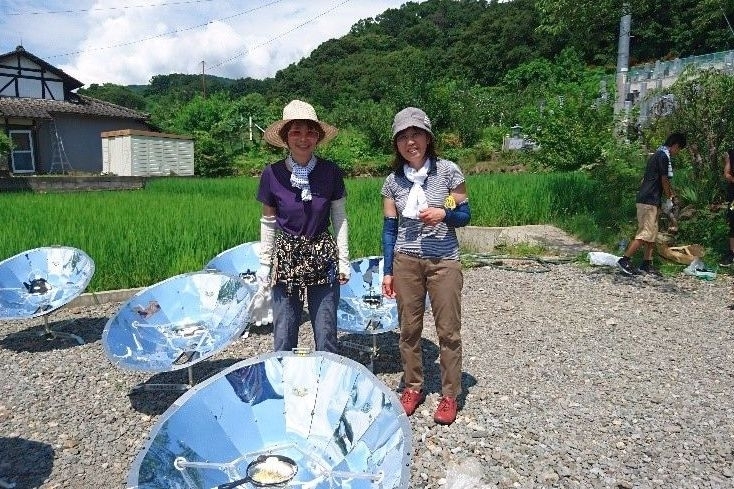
x: 102, y: 41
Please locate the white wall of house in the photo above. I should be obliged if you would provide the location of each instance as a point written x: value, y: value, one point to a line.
x: 32, y: 86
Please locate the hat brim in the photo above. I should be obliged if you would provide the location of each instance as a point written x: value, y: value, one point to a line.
x: 407, y: 125
x: 272, y: 135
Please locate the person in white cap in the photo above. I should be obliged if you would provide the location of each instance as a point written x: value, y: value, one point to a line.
x: 424, y: 201
x: 300, y: 258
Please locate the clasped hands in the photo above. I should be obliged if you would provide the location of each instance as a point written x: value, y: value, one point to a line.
x: 432, y: 215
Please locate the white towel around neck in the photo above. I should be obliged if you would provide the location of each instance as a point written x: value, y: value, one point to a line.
x: 666, y: 150
x: 416, y: 197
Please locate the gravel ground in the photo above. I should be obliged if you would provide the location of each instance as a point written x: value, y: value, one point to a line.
x: 576, y: 377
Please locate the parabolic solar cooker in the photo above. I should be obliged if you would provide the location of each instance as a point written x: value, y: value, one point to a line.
x: 302, y: 419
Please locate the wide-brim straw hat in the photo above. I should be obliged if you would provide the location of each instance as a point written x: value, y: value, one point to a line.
x: 297, y: 110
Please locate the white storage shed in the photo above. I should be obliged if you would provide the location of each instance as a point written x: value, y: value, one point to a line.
x: 132, y: 152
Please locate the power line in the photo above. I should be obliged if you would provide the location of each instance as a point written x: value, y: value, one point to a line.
x: 282, y: 34
x: 727, y: 21
x: 164, y: 34
x: 45, y: 12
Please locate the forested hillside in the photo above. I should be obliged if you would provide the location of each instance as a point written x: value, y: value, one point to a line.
x: 473, y: 40
x: 476, y: 67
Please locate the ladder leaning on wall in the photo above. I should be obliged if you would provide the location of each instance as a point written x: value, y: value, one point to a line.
x: 59, y: 161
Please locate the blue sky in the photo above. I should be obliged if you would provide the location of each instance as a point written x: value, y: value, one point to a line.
x: 128, y: 41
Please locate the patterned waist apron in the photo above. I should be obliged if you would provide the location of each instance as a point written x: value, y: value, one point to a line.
x: 301, y: 261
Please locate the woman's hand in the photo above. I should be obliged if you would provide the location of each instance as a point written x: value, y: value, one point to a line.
x: 387, y: 288
x: 343, y: 278
x: 432, y: 215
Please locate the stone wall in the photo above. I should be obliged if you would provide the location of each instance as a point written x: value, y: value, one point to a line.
x: 69, y: 183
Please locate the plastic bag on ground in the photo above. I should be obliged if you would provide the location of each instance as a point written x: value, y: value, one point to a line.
x: 602, y: 258
x: 698, y: 268
x: 465, y: 475
x: 667, y: 206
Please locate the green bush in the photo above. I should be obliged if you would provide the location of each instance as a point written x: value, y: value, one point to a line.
x: 707, y: 228
x: 489, y: 143
x: 347, y: 150
x: 252, y: 162
x: 6, y: 145
x: 210, y: 159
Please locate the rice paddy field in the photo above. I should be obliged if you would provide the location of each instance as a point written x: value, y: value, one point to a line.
x: 176, y: 225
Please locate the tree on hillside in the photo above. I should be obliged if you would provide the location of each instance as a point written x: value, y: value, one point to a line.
x: 499, y: 40
x: 703, y: 110
x: 557, y: 105
x: 116, y: 94
x: 244, y: 86
x: 675, y: 29
x: 185, y: 87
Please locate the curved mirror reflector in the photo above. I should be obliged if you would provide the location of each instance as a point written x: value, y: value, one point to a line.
x: 326, y: 414
x: 178, y: 322
x: 242, y: 260
x: 362, y: 307
x: 39, y: 281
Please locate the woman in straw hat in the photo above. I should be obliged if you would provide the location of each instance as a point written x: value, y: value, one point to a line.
x: 424, y: 201
x: 301, y: 194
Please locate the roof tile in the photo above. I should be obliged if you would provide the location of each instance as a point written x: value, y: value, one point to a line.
x: 81, y: 104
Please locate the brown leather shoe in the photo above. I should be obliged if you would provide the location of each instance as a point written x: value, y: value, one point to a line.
x: 446, y: 411
x: 410, y: 400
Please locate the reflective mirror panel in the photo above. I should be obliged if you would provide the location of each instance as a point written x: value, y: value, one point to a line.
x: 38, y: 281
x: 178, y: 322
x: 241, y: 260
x: 362, y: 307
x: 340, y: 425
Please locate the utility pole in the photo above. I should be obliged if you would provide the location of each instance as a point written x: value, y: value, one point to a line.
x: 623, y: 60
x: 203, y: 80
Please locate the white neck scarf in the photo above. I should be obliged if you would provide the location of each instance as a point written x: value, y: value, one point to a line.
x: 416, y: 197
x: 299, y: 176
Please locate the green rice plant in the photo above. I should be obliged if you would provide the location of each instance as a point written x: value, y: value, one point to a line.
x: 365, y: 216
x: 527, y: 198
x: 176, y: 225
x: 137, y: 237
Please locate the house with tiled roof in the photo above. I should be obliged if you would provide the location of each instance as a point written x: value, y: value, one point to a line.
x: 54, y: 129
